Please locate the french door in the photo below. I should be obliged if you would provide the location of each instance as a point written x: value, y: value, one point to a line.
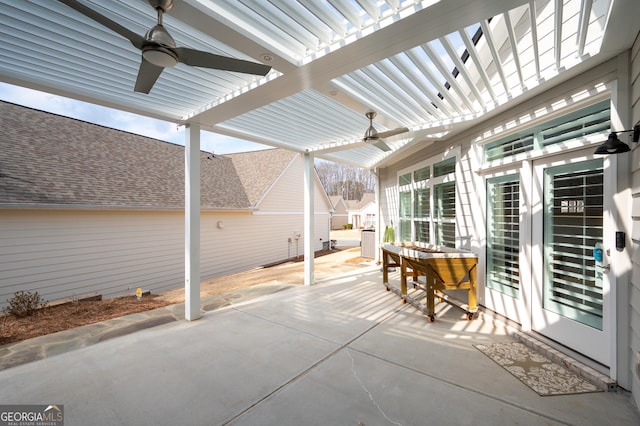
x: 571, y: 287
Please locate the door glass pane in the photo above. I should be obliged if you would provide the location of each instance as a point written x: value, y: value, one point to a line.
x: 503, y: 236
x: 573, y: 224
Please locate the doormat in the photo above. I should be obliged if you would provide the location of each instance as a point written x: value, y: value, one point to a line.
x: 539, y: 373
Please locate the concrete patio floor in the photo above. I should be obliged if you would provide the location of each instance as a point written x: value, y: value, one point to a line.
x: 342, y: 352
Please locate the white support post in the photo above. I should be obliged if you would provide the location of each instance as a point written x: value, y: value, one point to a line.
x: 378, y: 225
x: 192, y: 223
x: 309, y: 215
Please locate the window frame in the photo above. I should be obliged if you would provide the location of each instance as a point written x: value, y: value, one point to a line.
x: 409, y: 225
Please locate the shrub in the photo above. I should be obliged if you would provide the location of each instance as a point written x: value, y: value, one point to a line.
x: 23, y: 304
x: 347, y: 226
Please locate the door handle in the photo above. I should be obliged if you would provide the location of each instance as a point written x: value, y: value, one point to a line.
x: 606, y: 267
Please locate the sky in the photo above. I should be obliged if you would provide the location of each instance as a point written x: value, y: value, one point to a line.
x: 133, y: 123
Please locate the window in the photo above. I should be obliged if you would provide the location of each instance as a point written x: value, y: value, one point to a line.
x: 445, y: 220
x: 421, y: 214
x: 422, y: 204
x: 427, y: 203
x: 405, y: 216
x: 422, y: 174
x: 404, y: 179
x: 444, y: 167
x: 503, y: 234
x: 588, y: 121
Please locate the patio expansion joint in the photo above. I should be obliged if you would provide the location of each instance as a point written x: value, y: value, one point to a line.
x: 341, y: 347
x: 464, y: 388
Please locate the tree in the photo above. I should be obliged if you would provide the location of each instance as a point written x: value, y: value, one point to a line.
x: 348, y: 181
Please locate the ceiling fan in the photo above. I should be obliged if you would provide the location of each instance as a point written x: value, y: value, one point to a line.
x: 372, y: 136
x: 159, y: 49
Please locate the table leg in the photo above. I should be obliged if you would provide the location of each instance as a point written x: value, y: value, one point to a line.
x: 473, y: 303
x: 403, y: 277
x: 385, y: 268
x: 430, y: 291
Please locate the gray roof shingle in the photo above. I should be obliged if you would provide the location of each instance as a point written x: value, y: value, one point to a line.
x: 48, y: 159
x: 258, y: 170
x: 367, y: 198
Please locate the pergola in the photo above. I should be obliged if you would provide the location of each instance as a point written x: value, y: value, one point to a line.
x: 434, y: 67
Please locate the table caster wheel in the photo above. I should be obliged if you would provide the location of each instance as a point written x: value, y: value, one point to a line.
x: 431, y: 318
x: 404, y: 300
x: 387, y: 288
x: 470, y: 315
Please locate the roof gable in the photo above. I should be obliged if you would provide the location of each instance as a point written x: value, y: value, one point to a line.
x: 338, y: 203
x: 259, y: 170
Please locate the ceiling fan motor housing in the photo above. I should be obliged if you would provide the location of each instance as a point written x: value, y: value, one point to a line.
x: 158, y: 47
x: 371, y: 134
x: 164, y: 5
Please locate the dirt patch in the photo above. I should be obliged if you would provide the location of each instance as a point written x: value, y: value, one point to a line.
x: 75, y: 314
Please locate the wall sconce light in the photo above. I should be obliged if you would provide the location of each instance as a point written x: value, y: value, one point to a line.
x: 613, y: 145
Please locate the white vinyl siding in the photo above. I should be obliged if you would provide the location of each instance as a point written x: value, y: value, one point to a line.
x: 63, y: 253
x: 67, y: 253
x: 282, y: 211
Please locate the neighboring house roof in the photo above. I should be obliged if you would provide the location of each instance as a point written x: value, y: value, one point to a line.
x: 367, y: 198
x: 258, y: 170
x: 47, y: 159
x: 338, y: 203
